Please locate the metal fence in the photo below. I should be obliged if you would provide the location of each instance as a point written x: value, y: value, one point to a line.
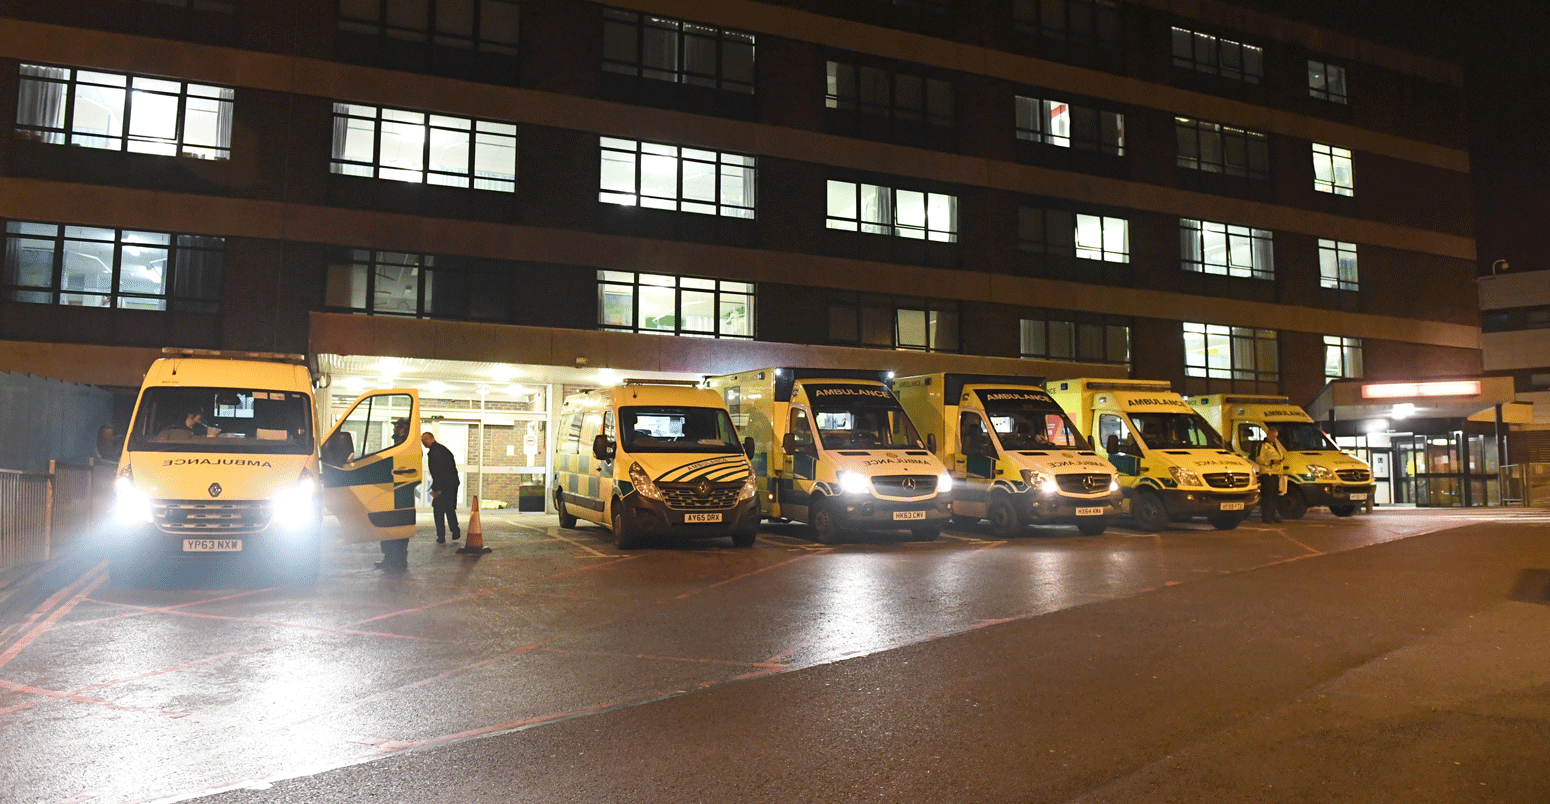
x: 44, y: 512
x: 1526, y: 484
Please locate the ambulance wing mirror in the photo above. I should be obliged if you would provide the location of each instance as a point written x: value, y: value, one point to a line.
x: 748, y: 446
x: 1113, y: 445
x: 603, y: 447
x: 788, y: 444
x: 931, y: 442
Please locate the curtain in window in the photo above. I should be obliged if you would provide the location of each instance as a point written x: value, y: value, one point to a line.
x: 40, y: 102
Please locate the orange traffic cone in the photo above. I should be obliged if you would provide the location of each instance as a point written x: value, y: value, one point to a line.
x: 475, y: 544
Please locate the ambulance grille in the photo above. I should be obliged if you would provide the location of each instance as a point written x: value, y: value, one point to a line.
x: 904, y: 485
x: 1354, y: 475
x: 196, y: 517
x: 1083, y: 484
x: 1228, y: 480
x: 690, y: 497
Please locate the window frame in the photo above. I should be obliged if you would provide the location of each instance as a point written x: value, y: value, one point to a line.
x: 62, y: 125
x: 722, y: 291
x: 888, y: 222
x: 1333, y: 265
x: 1211, y: 54
x: 1039, y: 17
x: 1260, y: 242
x: 1251, y: 147
x: 1346, y: 354
x: 848, y: 94
x: 721, y: 163
x: 1111, y: 336
x: 478, y: 134
x: 190, y: 258
x: 1328, y: 160
x: 1234, y: 339
x: 941, y: 323
x: 1105, y: 134
x: 618, y: 19
x: 1327, y: 82
x: 478, y: 37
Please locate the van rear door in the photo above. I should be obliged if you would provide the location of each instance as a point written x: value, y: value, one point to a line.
x: 371, y: 470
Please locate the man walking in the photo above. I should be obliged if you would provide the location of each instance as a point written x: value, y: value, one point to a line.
x: 444, y: 483
x: 1270, y: 457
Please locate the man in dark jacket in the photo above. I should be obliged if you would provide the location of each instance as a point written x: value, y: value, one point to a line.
x: 444, y: 483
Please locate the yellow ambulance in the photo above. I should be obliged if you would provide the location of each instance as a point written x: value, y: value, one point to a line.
x: 1172, y: 465
x: 221, y: 465
x: 1015, y: 458
x: 834, y: 448
x: 652, y: 458
x: 1317, y: 471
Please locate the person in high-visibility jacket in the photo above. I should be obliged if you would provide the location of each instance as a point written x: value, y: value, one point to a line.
x: 1270, y: 458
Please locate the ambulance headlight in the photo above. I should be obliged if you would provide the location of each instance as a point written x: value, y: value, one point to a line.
x: 131, y: 506
x: 644, y: 485
x: 295, y: 507
x: 750, y: 488
x: 1113, y: 483
x: 1184, y: 477
x: 944, y: 483
x: 855, y: 483
x: 1041, y: 481
x: 1320, y: 472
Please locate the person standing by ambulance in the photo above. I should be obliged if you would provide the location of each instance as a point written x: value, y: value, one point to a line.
x: 444, y: 485
x: 1270, y: 458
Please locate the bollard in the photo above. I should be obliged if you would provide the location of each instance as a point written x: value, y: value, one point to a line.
x: 474, y: 545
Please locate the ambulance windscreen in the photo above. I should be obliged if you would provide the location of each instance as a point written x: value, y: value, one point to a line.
x: 1175, y: 431
x: 240, y: 420
x: 676, y: 429
x: 1029, y: 420
x: 1302, y: 437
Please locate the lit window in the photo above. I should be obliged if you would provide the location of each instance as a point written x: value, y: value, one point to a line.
x: 118, y: 112
x: 675, y: 305
x: 1326, y: 81
x: 1332, y: 170
x: 1209, y: 54
x: 660, y: 176
x: 88, y: 266
x: 1218, y: 248
x: 909, y: 324
x: 1337, y: 265
x: 884, y: 210
x: 1080, y: 22
x: 1069, y: 340
x: 874, y: 91
x: 400, y: 145
x: 676, y: 51
x: 1066, y: 126
x: 1215, y: 148
x: 1342, y: 357
x: 489, y: 26
x: 1101, y: 238
x: 1231, y: 353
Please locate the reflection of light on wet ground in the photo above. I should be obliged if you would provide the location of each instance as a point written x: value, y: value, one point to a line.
x: 853, y: 594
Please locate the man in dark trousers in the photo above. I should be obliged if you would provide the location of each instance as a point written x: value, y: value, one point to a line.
x: 444, y: 483
x: 1270, y: 458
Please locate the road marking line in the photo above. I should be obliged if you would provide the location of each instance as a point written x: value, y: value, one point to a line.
x: 151, y: 610
x: 98, y: 576
x: 744, y: 575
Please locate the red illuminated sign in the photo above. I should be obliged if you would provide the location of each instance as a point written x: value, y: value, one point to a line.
x: 1403, y: 390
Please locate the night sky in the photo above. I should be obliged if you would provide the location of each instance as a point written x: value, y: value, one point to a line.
x: 1504, y: 48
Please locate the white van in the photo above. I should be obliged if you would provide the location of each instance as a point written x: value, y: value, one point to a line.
x: 221, y: 465
x: 653, y: 457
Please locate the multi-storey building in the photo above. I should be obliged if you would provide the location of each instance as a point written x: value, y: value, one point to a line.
x: 493, y: 200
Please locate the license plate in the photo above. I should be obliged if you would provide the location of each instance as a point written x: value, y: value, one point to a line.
x: 212, y: 545
x: 1232, y: 506
x: 909, y: 514
x: 702, y: 517
x: 1089, y: 512
x: 1361, y: 496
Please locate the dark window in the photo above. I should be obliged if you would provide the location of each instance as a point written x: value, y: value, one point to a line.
x: 488, y: 26
x: 1085, y: 341
x: 1215, y: 148
x: 88, y: 266
x: 680, y: 52
x: 1080, y: 22
x: 1326, y: 81
x: 1209, y: 54
x: 419, y: 286
x: 1060, y: 124
x: 879, y: 92
x: 911, y: 324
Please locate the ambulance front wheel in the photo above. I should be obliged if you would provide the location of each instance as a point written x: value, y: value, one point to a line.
x: 626, y: 535
x: 1343, y: 510
x: 821, y: 519
x: 1003, y: 517
x: 1226, y: 521
x: 1293, y: 504
x: 1151, y: 515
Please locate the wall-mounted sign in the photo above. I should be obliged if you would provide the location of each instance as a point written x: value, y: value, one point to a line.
x: 1403, y: 390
